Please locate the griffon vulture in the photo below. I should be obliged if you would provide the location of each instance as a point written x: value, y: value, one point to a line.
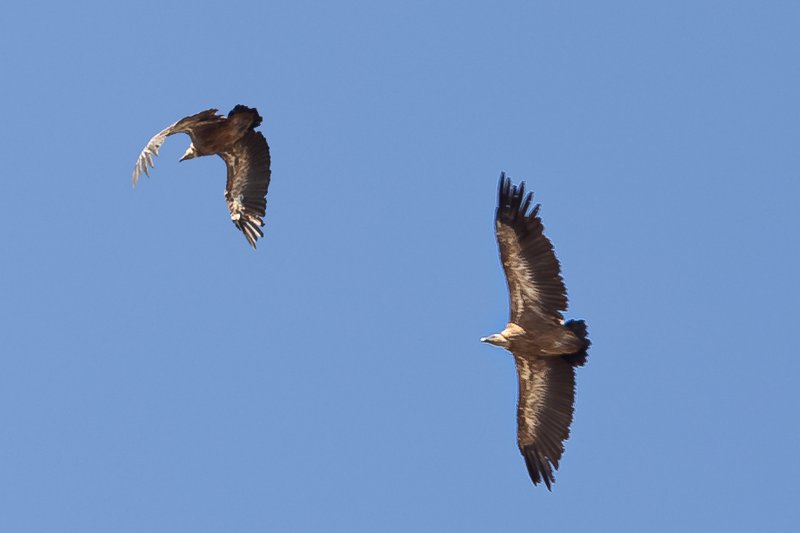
x: 244, y: 150
x: 545, y: 348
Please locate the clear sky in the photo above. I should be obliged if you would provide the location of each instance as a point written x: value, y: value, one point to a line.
x: 159, y: 375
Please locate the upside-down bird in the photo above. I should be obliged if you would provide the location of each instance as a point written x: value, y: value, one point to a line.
x: 545, y: 348
x: 244, y: 150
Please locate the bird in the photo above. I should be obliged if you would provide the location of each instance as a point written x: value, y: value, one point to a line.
x: 546, y: 349
x: 244, y: 150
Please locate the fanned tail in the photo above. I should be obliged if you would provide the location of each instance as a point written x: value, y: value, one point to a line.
x: 240, y: 109
x: 578, y: 327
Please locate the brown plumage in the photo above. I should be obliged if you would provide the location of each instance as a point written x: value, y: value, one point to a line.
x: 545, y: 348
x: 246, y: 155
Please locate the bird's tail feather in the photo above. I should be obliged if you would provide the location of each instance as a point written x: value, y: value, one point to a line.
x: 578, y: 327
x: 252, y: 111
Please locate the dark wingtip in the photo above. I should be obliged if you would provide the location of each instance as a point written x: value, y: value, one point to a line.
x: 500, y: 188
x: 250, y: 230
x: 539, y: 468
x: 250, y: 239
x: 513, y: 202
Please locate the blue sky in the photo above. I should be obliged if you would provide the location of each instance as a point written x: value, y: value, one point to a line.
x: 159, y: 375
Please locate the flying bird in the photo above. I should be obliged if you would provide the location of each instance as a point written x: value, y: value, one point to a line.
x: 244, y: 150
x: 545, y: 348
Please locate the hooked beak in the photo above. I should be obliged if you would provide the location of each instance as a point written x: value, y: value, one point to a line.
x: 190, y: 153
x: 496, y: 339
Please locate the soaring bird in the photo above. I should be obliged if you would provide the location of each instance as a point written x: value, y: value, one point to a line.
x: 545, y: 348
x: 244, y: 150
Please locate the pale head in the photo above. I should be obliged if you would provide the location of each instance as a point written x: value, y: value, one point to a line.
x: 504, y: 338
x: 497, y: 339
x: 190, y: 153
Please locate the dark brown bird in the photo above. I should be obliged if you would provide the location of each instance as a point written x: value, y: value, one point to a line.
x: 244, y: 150
x: 545, y: 348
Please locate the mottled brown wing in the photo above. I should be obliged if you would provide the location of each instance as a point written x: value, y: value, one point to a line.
x: 544, y: 413
x: 536, y: 289
x: 248, y: 180
x: 150, y: 151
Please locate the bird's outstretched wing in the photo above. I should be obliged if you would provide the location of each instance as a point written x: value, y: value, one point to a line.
x: 544, y: 413
x: 536, y: 290
x: 248, y: 163
x: 151, y: 149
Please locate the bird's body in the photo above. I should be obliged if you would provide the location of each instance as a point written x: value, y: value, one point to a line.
x: 556, y: 340
x: 546, y: 349
x: 244, y: 150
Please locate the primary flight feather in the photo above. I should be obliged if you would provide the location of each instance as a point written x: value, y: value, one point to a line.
x: 546, y: 350
x: 244, y: 150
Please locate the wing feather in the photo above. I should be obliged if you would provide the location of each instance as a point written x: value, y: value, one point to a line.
x: 145, y: 158
x: 536, y: 289
x: 184, y: 125
x: 248, y: 163
x: 544, y: 413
